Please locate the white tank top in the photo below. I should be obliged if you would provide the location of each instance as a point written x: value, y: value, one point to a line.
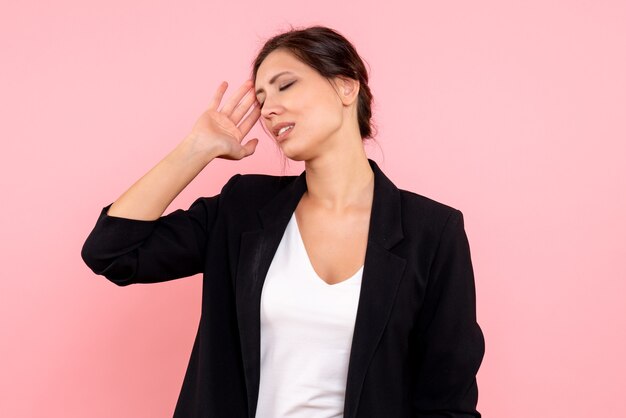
x: 306, y: 334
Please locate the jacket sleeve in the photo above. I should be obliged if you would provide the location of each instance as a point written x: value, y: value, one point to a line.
x: 449, y: 344
x: 128, y: 251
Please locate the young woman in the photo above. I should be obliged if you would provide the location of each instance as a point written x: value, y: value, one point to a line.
x: 328, y: 294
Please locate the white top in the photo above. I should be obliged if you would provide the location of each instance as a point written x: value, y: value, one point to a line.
x: 306, y: 335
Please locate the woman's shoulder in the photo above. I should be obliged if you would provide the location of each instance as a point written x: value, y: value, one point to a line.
x: 255, y: 188
x: 425, y: 210
x: 259, y: 182
x: 418, y: 200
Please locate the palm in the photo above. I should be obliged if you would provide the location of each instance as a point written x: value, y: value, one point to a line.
x: 218, y: 124
x: 224, y: 128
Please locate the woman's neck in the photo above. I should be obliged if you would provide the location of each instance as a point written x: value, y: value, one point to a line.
x: 340, y: 181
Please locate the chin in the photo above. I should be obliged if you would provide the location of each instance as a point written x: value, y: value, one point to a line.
x: 299, y: 148
x: 292, y: 150
x: 296, y: 152
x: 292, y: 154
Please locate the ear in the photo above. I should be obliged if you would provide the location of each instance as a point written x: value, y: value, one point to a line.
x: 347, y: 89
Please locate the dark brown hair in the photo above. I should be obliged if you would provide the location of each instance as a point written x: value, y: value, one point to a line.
x: 331, y: 55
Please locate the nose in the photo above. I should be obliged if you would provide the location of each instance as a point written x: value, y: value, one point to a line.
x: 270, y: 108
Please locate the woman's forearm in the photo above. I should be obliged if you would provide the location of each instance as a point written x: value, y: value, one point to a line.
x: 149, y: 196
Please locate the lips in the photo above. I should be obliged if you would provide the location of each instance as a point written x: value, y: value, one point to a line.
x: 285, y: 134
x: 276, y: 128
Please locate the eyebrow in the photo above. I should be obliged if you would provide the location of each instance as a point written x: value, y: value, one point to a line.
x: 272, y: 80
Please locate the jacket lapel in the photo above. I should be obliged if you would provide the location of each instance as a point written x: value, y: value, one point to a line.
x: 382, y: 272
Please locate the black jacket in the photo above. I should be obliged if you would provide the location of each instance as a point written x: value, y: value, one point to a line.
x: 416, y: 346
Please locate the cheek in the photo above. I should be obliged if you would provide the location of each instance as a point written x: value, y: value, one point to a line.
x: 323, y: 112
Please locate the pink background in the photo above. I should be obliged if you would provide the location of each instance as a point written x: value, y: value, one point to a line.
x: 513, y: 112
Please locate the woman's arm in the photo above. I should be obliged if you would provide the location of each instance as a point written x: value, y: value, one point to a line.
x: 132, y: 242
x: 128, y: 251
x: 149, y: 196
x: 449, y: 344
x: 215, y: 134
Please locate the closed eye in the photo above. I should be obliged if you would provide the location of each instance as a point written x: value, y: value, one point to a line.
x: 285, y: 87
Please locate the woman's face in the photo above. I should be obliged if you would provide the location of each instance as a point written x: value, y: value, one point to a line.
x: 290, y: 91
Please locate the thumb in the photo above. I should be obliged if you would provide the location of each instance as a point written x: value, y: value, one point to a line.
x: 250, y: 146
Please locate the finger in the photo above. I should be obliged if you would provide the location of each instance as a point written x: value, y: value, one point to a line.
x: 217, y: 97
x: 250, y: 146
x: 236, y: 98
x: 243, y: 107
x: 249, y: 121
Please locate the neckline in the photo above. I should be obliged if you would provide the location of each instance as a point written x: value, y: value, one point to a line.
x: 310, y: 265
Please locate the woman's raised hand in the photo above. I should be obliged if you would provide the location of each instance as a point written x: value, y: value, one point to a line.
x: 221, y: 129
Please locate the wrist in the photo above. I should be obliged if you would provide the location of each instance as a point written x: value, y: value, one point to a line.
x: 198, y: 150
